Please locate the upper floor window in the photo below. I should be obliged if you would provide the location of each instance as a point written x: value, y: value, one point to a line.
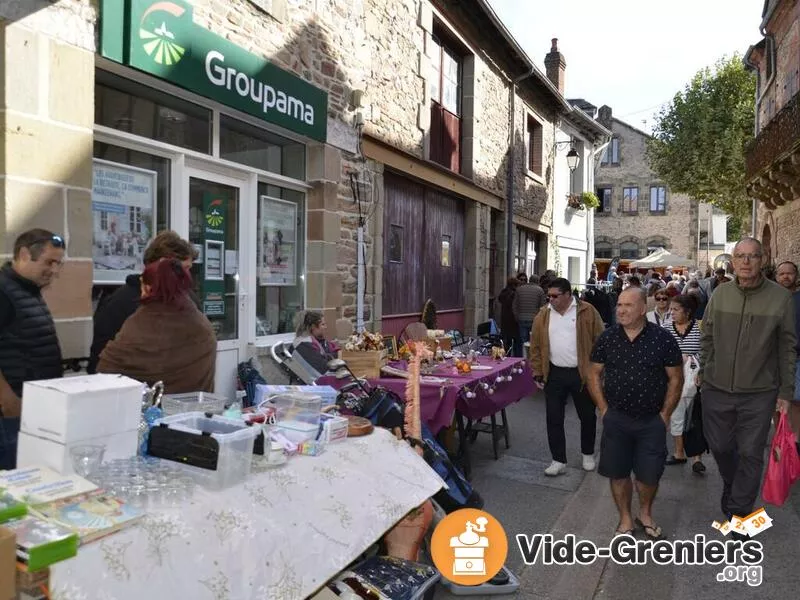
x: 445, y: 88
x: 630, y: 199
x: 658, y: 198
x: 611, y: 153
x: 534, y: 143
x: 604, y: 194
x: 629, y: 250
x: 446, y: 78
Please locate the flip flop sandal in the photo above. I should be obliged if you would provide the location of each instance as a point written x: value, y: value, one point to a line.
x: 675, y: 461
x: 626, y: 532
x: 652, y: 532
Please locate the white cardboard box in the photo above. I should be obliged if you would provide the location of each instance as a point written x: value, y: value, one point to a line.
x: 73, y: 409
x: 36, y: 451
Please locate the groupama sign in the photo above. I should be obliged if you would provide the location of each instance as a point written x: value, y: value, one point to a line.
x: 159, y: 37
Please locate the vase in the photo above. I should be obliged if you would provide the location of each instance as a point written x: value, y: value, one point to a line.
x: 405, y: 539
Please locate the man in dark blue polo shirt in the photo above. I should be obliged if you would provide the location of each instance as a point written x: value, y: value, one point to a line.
x: 643, y: 370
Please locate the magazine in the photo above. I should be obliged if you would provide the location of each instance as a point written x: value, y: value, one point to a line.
x: 36, y: 485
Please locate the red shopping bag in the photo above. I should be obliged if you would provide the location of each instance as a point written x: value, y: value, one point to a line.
x: 784, y: 464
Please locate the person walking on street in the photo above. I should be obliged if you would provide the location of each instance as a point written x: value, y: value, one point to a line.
x: 686, y: 331
x: 635, y: 379
x: 786, y: 275
x: 509, y: 328
x: 528, y: 299
x: 29, y: 348
x: 561, y: 341
x: 747, y: 362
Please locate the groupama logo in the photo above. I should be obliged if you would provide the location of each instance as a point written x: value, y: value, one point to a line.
x: 157, y: 39
x: 214, y: 216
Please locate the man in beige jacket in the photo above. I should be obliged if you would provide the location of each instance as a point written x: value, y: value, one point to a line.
x: 562, y: 338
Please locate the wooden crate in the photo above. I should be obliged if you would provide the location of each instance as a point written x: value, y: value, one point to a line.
x: 365, y: 364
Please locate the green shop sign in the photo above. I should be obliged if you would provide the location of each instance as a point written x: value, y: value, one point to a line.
x: 160, y: 38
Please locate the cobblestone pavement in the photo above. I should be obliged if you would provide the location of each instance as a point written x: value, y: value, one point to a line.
x: 525, y: 501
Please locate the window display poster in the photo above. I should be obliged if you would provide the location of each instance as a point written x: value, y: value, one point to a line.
x: 277, y: 243
x: 215, y: 210
x: 123, y: 213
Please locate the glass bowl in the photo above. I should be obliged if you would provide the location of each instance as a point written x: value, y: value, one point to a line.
x: 86, y: 459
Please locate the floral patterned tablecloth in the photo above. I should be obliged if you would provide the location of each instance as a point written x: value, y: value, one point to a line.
x: 279, y: 536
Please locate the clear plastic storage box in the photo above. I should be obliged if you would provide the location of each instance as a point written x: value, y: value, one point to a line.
x: 175, y: 404
x: 183, y: 438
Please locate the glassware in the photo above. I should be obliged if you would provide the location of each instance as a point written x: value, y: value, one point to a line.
x: 86, y: 459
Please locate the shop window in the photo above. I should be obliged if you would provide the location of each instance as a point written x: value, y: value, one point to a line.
x: 629, y: 250
x: 128, y: 106
x: 525, y: 259
x: 280, y: 274
x: 242, y: 143
x: 603, y: 250
x: 105, y: 220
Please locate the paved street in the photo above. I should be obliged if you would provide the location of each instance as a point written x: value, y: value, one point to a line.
x: 524, y: 500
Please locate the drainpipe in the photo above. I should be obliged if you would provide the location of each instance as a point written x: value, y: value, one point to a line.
x: 511, y: 170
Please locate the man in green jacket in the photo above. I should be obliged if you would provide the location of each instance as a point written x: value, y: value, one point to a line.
x: 747, y: 361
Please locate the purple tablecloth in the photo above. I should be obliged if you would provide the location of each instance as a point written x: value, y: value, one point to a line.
x: 439, y: 401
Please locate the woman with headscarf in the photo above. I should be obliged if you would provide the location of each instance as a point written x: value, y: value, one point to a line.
x: 167, y: 339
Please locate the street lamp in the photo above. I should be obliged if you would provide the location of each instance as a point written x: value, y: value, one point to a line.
x: 572, y: 159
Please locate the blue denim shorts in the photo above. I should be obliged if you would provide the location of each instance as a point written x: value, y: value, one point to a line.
x: 637, y: 444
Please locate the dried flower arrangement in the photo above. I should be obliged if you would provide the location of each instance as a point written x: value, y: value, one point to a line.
x: 364, y: 342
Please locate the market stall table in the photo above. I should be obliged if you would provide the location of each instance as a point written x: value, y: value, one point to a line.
x: 279, y: 536
x: 442, y: 401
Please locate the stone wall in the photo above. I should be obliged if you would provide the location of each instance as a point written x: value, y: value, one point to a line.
x: 676, y: 228
x: 47, y: 112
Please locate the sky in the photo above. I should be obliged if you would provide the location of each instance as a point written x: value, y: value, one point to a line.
x: 632, y: 55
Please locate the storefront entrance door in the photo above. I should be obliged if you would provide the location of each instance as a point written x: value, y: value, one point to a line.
x: 214, y: 229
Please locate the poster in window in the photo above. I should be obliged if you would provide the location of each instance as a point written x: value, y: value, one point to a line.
x: 277, y: 243
x: 123, y: 216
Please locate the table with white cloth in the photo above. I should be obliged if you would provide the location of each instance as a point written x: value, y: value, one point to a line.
x: 278, y: 536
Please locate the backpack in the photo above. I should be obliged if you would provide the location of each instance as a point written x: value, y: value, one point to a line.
x: 459, y: 493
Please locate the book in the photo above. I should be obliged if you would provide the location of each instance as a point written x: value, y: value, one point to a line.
x: 37, y: 485
x: 41, y: 543
x: 10, y: 507
x: 92, y: 515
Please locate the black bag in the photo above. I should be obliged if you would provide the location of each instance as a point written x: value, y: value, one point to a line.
x: 694, y: 441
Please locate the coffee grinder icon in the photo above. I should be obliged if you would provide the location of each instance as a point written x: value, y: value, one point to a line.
x: 469, y: 549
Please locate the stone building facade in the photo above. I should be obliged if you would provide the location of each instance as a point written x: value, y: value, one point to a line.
x: 638, y: 213
x: 772, y: 160
x: 78, y: 105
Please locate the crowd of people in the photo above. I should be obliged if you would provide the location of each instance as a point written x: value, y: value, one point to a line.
x: 732, y: 337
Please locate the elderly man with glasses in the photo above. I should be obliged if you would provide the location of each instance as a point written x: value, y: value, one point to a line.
x: 29, y: 348
x: 747, y: 362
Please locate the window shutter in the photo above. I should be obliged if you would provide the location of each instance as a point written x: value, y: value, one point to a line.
x: 536, y: 148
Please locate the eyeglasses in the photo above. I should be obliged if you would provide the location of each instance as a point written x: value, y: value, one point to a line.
x: 55, y: 240
x: 661, y: 299
x: 747, y: 257
x: 553, y: 296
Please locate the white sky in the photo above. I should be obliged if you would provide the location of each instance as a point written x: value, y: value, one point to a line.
x: 633, y: 55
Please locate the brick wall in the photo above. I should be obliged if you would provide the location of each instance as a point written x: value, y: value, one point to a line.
x: 676, y: 228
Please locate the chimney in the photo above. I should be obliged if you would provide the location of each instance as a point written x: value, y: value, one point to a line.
x: 556, y: 66
x: 604, y: 116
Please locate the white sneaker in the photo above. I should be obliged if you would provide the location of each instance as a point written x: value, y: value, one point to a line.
x: 588, y: 462
x: 555, y: 468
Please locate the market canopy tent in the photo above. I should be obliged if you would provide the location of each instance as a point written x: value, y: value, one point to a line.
x: 662, y: 258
